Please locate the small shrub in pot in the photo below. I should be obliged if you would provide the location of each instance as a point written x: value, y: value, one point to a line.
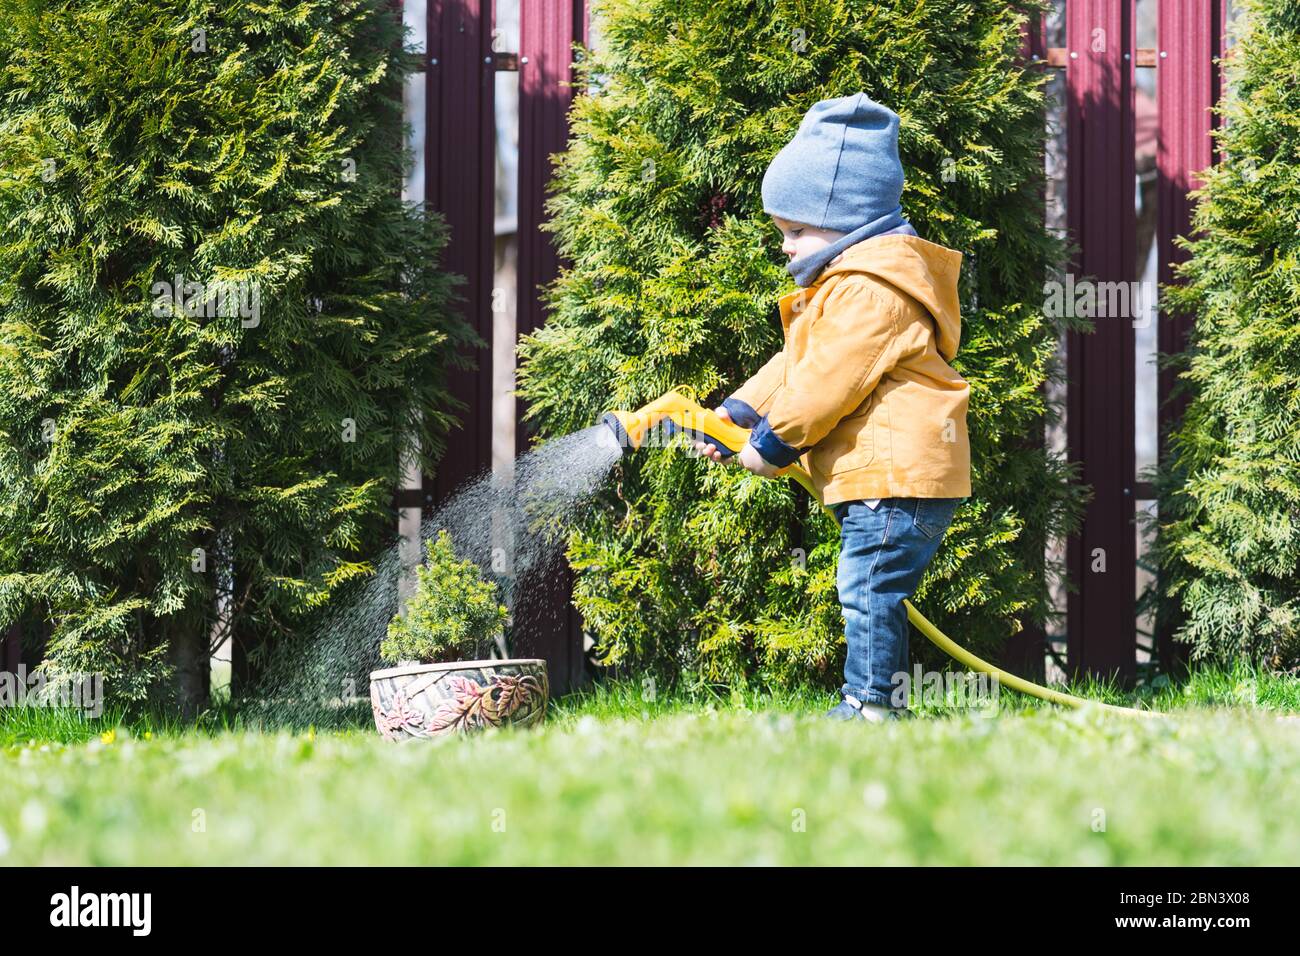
x: 453, y: 615
x: 444, y: 683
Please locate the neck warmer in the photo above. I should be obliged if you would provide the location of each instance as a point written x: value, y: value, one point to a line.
x: 806, y: 269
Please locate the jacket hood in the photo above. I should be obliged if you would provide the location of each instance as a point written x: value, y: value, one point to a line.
x: 924, y: 270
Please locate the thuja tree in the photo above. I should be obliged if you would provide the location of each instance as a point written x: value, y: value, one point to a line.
x: 1227, y: 544
x: 709, y: 572
x: 221, y: 329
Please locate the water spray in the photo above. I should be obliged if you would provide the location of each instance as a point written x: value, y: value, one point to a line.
x: 674, y: 413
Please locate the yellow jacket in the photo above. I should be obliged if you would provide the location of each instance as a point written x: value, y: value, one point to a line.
x: 862, y: 391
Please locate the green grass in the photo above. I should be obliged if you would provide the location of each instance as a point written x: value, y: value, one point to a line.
x: 614, y: 778
x: 1238, y: 688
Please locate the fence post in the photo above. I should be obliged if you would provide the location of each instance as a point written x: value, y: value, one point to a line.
x: 546, y: 623
x: 1190, y: 36
x: 460, y: 167
x: 1102, y: 558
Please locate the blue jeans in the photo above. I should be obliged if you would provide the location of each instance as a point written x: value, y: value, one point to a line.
x: 883, y: 553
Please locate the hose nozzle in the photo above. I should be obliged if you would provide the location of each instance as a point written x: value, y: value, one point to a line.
x: 669, y: 414
x: 673, y: 412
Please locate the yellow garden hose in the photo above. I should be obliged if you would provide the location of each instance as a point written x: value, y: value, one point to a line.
x: 674, y: 412
x: 963, y: 656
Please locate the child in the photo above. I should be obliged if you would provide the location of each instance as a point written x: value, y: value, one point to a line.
x: 862, y: 392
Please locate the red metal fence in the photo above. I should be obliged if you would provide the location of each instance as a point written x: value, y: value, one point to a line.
x: 546, y: 623
x: 1191, y: 37
x: 459, y: 166
x: 1100, y: 60
x: 1101, y: 621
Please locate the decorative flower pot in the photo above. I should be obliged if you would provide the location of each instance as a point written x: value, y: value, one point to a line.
x: 438, y: 700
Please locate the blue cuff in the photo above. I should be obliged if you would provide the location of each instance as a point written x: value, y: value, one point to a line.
x: 742, y: 413
x: 773, y: 449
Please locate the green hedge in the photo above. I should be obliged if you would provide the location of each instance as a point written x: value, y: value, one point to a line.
x: 153, y: 455
x: 696, y: 570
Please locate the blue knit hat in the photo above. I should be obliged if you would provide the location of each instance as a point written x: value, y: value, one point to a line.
x: 841, y: 172
x: 841, y: 169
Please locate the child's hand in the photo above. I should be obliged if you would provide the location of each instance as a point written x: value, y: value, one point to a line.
x: 748, y: 457
x: 751, y: 460
x: 710, y: 450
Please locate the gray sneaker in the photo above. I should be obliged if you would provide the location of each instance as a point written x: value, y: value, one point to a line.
x: 850, y: 708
